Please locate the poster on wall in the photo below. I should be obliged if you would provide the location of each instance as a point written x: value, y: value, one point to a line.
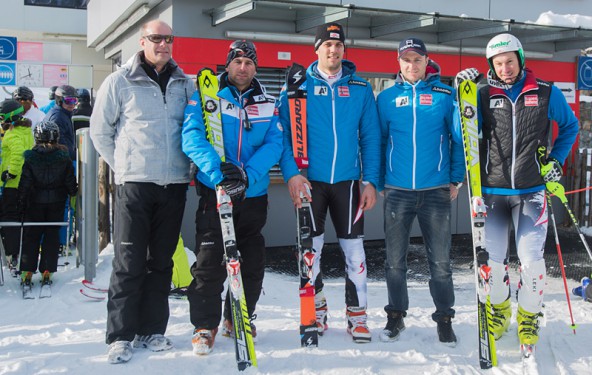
x: 55, y: 75
x: 30, y: 51
x: 74, y: 4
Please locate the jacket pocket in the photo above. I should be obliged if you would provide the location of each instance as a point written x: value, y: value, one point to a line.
x: 256, y: 134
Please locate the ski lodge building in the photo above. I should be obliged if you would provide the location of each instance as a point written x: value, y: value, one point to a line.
x: 455, y: 33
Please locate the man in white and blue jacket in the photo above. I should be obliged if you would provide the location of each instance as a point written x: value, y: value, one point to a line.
x: 343, y: 146
x: 423, y: 167
x: 252, y: 139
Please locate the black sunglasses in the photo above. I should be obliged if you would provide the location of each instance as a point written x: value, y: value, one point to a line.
x: 157, y: 38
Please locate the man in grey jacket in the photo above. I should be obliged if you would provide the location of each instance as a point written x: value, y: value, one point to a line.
x: 136, y: 127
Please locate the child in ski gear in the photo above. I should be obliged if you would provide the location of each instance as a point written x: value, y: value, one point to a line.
x: 47, y: 180
x: 514, y: 110
x: 136, y: 128
x: 17, y: 139
x: 342, y: 136
x: 419, y: 179
x: 66, y: 98
x: 252, y: 140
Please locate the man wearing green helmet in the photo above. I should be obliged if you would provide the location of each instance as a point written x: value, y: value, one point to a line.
x: 515, y: 110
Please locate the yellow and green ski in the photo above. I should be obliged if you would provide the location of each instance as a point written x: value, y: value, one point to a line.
x: 467, y: 103
x: 243, y: 338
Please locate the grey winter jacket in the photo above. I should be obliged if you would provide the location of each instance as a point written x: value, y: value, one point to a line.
x: 137, y: 130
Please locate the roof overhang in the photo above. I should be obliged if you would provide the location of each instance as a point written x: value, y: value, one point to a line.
x: 382, y: 26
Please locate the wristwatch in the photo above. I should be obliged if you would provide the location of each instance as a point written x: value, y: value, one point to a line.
x: 457, y: 185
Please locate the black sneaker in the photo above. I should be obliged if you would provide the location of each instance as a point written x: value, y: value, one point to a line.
x: 394, y: 326
x: 445, y: 332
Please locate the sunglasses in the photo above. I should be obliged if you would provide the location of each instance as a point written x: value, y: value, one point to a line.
x: 158, y: 38
x: 69, y: 100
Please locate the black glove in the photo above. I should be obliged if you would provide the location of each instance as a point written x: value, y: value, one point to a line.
x: 236, y: 189
x: 7, y: 176
x: 234, y: 172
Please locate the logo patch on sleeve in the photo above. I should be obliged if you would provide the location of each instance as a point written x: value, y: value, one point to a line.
x: 425, y: 99
x: 192, y: 102
x: 531, y: 100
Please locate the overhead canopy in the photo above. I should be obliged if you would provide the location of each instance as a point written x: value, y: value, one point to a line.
x: 384, y: 25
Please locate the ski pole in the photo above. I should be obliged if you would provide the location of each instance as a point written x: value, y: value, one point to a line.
x: 18, y: 267
x: 558, y: 246
x: 557, y: 189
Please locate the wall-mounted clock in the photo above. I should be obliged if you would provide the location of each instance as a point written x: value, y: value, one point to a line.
x: 30, y: 75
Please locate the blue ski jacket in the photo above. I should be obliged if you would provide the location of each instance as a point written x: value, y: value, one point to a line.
x: 342, y: 129
x: 251, y: 133
x: 422, y: 143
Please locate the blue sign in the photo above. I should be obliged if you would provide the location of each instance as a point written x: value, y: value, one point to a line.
x: 7, y: 48
x: 7, y: 74
x: 584, y: 73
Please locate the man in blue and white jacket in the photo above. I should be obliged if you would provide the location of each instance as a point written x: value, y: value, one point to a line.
x: 343, y: 142
x: 423, y: 168
x: 252, y: 139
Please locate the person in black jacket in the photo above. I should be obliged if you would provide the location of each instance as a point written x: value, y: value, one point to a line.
x: 82, y: 112
x: 66, y: 98
x: 46, y: 181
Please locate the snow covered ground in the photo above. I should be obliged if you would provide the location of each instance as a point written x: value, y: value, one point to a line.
x: 65, y: 334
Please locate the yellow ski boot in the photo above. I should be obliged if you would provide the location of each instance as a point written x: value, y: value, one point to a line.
x: 502, y: 314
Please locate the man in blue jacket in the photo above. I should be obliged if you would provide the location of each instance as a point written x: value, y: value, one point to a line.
x: 252, y: 139
x: 515, y: 109
x: 423, y: 167
x: 343, y: 146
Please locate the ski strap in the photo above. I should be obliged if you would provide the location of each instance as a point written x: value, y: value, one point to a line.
x: 295, y: 77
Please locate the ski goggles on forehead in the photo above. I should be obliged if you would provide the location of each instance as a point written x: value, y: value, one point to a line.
x: 69, y: 100
x: 157, y: 38
x: 11, y: 116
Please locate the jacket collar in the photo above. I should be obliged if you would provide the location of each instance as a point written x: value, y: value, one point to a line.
x: 135, y: 71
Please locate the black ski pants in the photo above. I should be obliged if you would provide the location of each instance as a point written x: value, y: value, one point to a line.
x: 10, y: 235
x: 146, y: 230
x: 209, y: 270
x: 43, y: 213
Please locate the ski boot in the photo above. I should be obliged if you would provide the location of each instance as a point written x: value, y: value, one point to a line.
x: 27, y: 285
x: 321, y: 312
x: 502, y: 314
x: 356, y: 324
x: 203, y: 340
x: 528, y: 331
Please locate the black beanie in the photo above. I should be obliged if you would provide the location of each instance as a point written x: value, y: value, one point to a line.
x: 329, y: 31
x: 242, y: 48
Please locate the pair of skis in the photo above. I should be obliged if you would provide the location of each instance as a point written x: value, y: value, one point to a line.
x: 309, y: 336
x: 207, y: 82
x: 467, y: 101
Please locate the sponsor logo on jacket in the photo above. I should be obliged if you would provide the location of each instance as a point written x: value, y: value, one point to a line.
x: 496, y: 103
x: 356, y: 82
x: 343, y: 91
x: 531, y: 100
x: 442, y: 90
x: 425, y: 99
x: 402, y: 101
x: 321, y: 90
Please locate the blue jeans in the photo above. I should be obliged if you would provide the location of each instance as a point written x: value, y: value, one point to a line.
x: 432, y: 209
